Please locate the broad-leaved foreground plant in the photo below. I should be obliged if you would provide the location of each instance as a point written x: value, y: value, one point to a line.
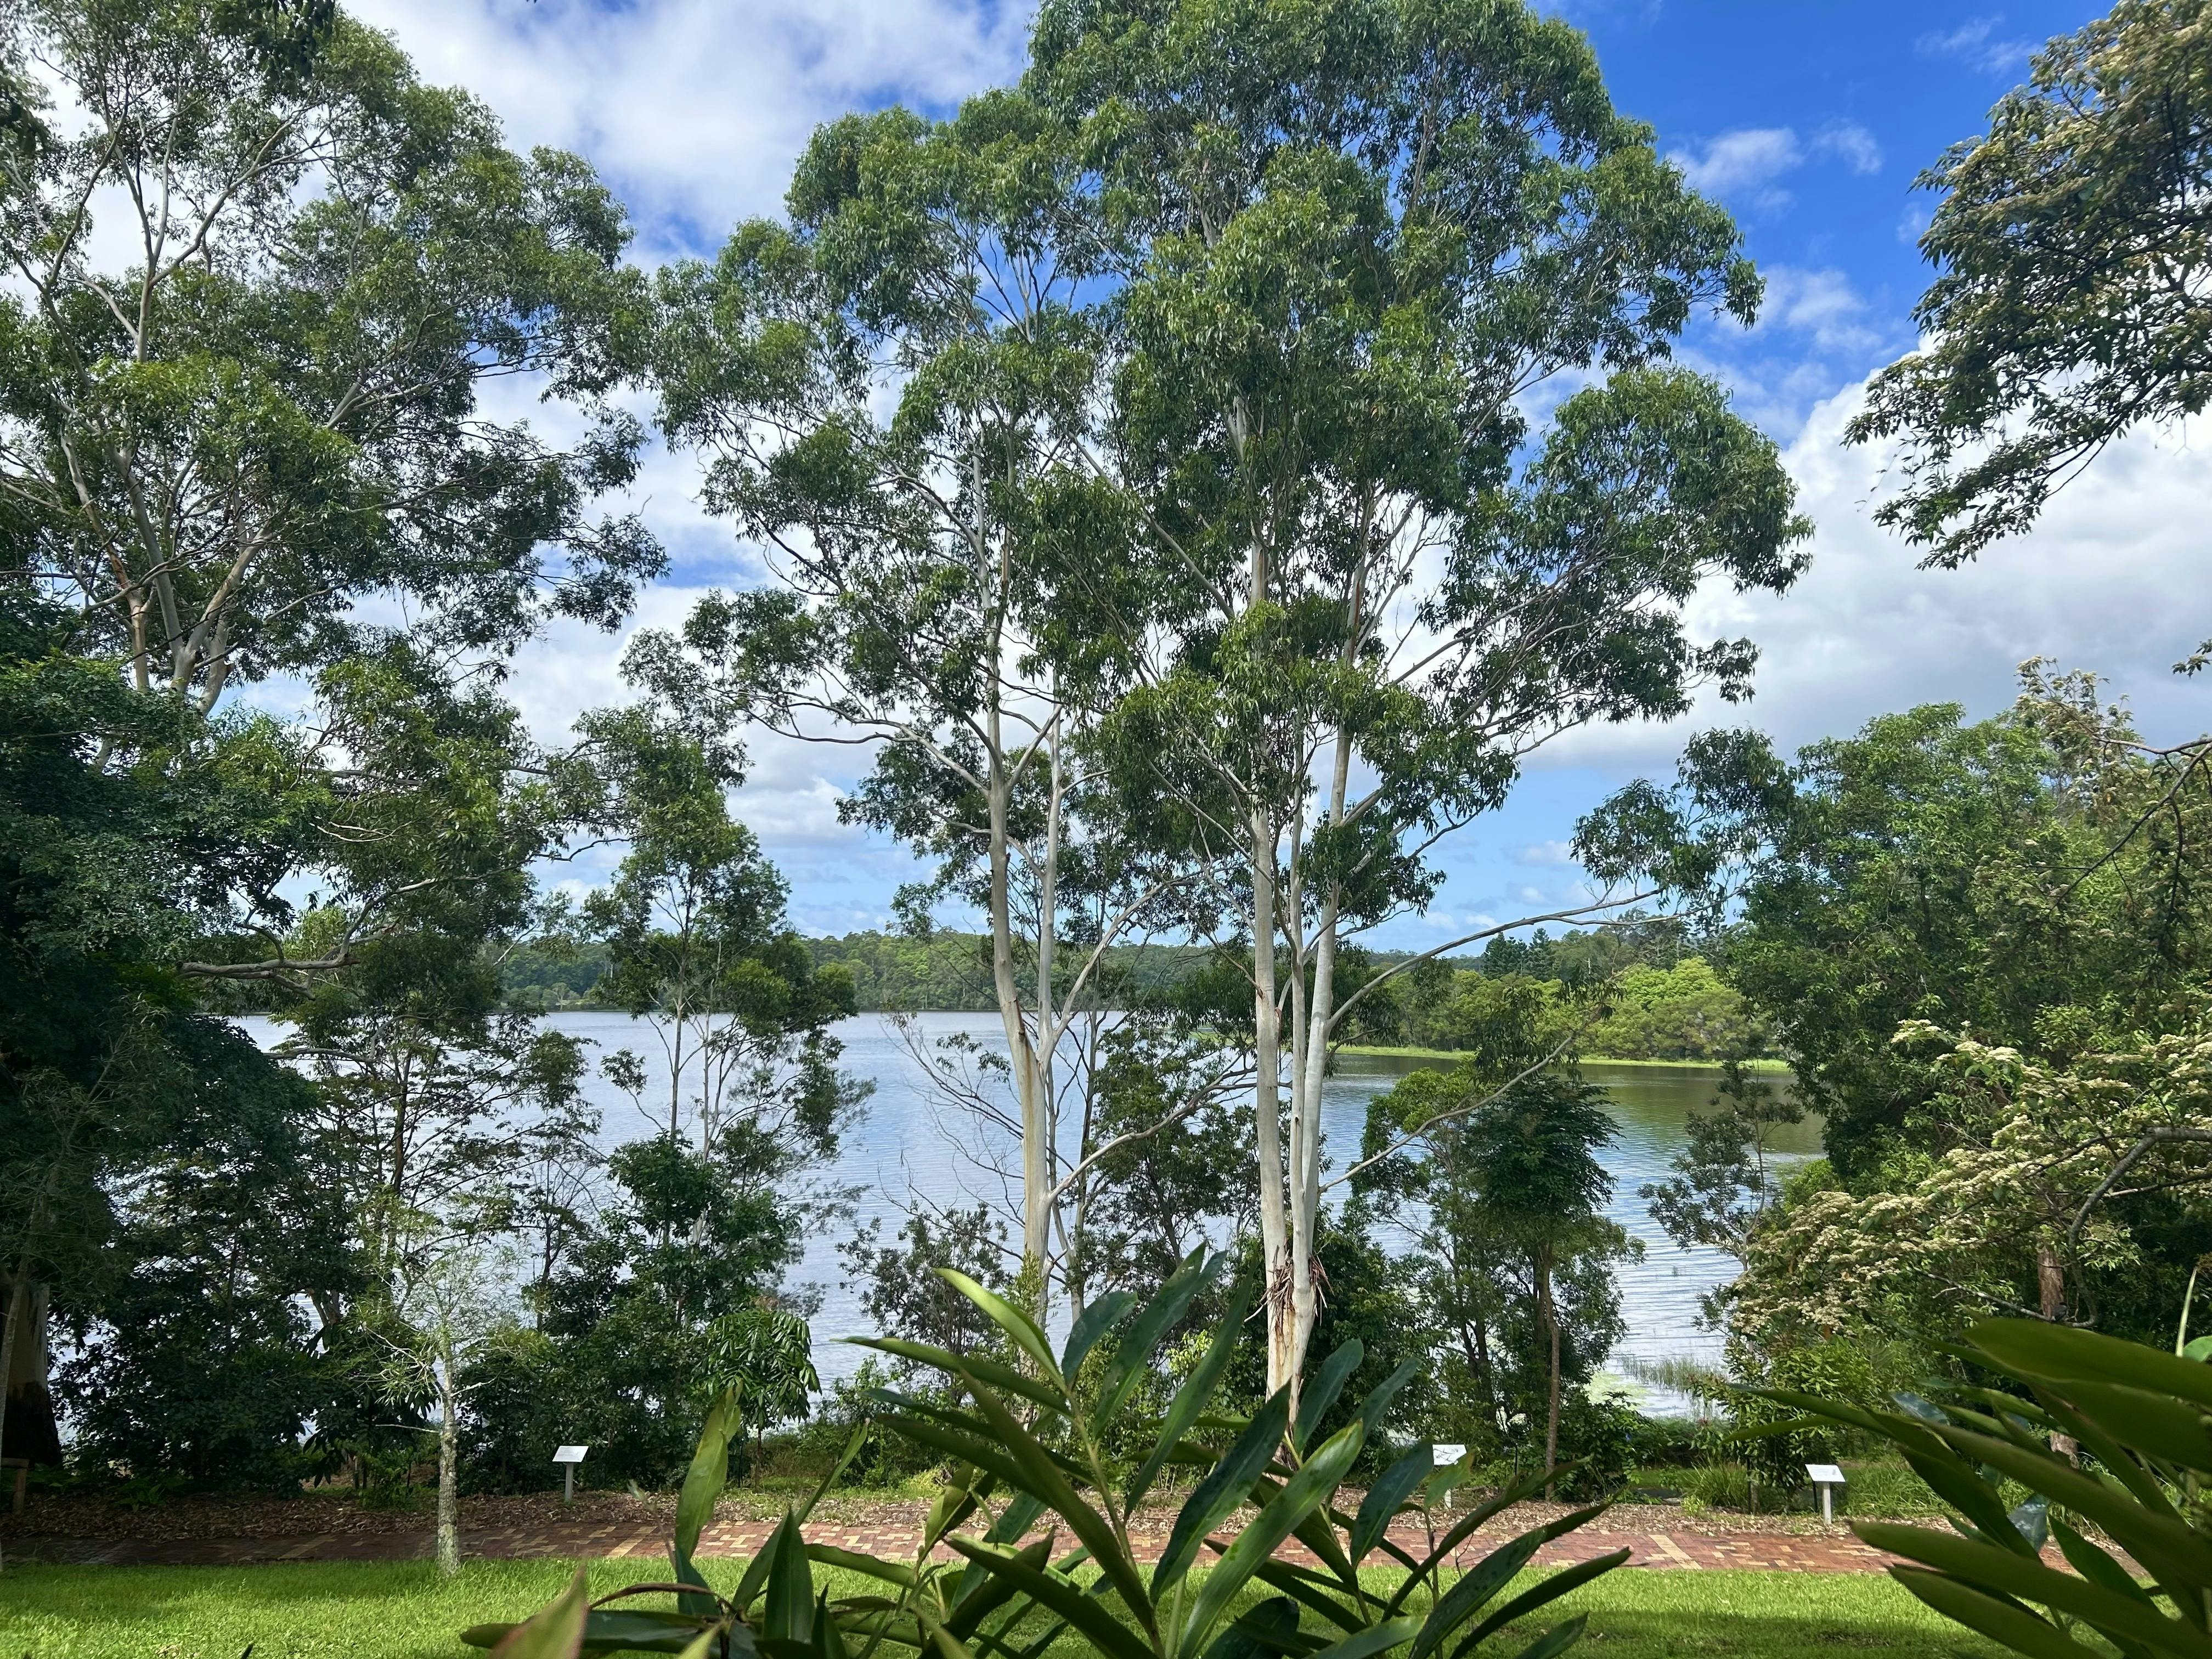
x: 2142, y: 1423
x: 1031, y: 1453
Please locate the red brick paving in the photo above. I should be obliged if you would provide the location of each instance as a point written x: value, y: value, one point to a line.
x: 1787, y: 1552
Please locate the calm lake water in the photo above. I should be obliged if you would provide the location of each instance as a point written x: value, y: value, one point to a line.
x: 910, y: 1141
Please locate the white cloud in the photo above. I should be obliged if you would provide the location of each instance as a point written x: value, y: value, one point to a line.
x: 694, y: 110
x: 1977, y: 44
x: 1850, y: 143
x: 1746, y: 160
x: 2104, y: 582
x: 1821, y: 305
x: 1546, y: 852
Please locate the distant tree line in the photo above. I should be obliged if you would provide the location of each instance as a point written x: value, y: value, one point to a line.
x: 1643, y: 991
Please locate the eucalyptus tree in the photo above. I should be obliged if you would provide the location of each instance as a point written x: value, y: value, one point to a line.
x: 893, y: 390
x: 1365, y: 249
x: 2071, y: 303
x: 260, y: 276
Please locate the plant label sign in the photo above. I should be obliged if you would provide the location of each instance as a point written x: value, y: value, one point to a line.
x: 568, y: 1457
x: 1444, y: 1455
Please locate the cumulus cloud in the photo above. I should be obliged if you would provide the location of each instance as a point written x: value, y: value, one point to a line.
x: 1821, y: 305
x: 1744, y: 161
x: 693, y: 112
x: 1850, y: 143
x: 1744, y: 164
x: 2102, y: 583
x: 1546, y: 853
x: 1977, y: 44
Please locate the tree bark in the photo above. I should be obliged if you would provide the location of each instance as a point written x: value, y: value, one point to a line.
x: 2051, y: 1302
x: 449, y: 1518
x: 1275, y: 1246
x: 1547, y: 1314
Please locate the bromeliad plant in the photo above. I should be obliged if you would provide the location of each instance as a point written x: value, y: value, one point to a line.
x: 1031, y: 1437
x: 1035, y: 1432
x: 2144, y: 1420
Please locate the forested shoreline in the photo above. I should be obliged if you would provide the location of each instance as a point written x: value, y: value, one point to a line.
x: 1660, y: 999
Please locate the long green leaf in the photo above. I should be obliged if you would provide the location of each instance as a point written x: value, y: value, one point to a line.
x: 1133, y: 1355
x: 2155, y: 1424
x: 993, y: 1590
x: 1267, y: 1631
x: 625, y: 1631
x: 1556, y: 1640
x: 1004, y: 1378
x: 1464, y: 1527
x: 1016, y: 1324
x: 2033, y: 1348
x: 2003, y: 1622
x: 1376, y: 1639
x: 1190, y: 1398
x: 983, y: 1454
x: 867, y: 1566
x: 694, y: 1505
x: 1098, y: 1318
x: 828, y: 1640
x: 1045, y: 1478
x: 1378, y: 1400
x: 1300, y: 1587
x: 1990, y: 1568
x: 1548, y: 1589
x: 1223, y: 1487
x: 2167, y: 1548
x: 2096, y: 1565
x: 858, y: 1439
x: 1388, y: 1495
x: 1320, y: 1392
x: 1473, y: 1591
x: 555, y: 1632
x: 787, y: 1610
x: 1304, y: 1492
x: 1087, y: 1613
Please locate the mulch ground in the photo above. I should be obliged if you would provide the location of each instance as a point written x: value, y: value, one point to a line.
x: 204, y: 1532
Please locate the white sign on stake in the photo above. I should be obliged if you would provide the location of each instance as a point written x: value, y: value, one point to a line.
x: 1827, y: 1477
x: 1445, y: 1455
x: 568, y: 1457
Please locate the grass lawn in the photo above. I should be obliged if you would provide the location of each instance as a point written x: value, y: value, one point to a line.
x: 406, y: 1611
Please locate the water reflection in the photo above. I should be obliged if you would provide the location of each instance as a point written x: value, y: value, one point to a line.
x: 910, y: 1141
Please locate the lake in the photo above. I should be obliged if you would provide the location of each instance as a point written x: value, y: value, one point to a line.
x: 903, y: 1145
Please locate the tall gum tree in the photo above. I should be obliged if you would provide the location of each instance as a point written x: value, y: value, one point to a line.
x: 894, y: 391
x: 266, y: 411
x: 1363, y: 247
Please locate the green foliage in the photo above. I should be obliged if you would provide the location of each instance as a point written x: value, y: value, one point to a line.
x: 1512, y: 1269
x: 327, y: 261
x: 2008, y: 877
x: 1029, y: 1433
x: 2140, y: 1417
x: 2070, y: 246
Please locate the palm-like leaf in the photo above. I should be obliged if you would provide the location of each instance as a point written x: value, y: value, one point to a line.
x: 2146, y: 1417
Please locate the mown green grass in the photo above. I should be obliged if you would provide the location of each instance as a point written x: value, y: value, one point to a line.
x: 405, y: 1610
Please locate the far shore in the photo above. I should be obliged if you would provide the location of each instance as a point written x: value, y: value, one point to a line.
x: 1383, y: 1051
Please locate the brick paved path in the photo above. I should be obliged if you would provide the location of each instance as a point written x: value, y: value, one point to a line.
x: 1803, y: 1552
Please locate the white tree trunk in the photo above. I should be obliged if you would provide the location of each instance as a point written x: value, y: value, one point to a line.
x: 449, y: 1517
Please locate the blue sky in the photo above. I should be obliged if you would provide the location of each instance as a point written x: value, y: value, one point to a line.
x: 1808, y: 119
